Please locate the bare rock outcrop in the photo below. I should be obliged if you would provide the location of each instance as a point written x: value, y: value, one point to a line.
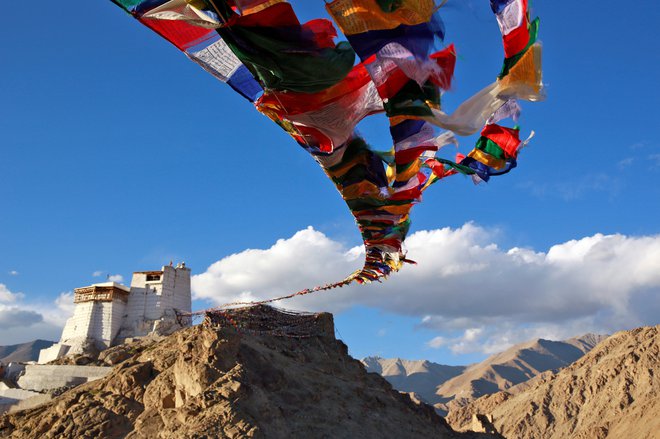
x: 611, y: 392
x: 209, y: 382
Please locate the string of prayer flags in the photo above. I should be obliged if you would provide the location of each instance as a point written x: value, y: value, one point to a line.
x: 297, y: 75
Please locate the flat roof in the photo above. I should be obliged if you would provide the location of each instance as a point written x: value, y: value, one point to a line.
x: 149, y: 272
x: 110, y: 284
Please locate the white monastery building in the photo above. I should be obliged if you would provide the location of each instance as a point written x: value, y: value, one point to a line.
x: 106, y: 314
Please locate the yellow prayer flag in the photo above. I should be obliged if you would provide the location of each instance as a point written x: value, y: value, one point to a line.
x: 410, y: 172
x: 487, y: 159
x: 526, y: 74
x: 397, y: 210
x: 254, y: 6
x: 432, y: 179
x: 390, y: 172
x: 358, y: 16
x: 364, y: 188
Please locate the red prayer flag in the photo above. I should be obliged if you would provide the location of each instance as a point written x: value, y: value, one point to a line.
x: 177, y: 32
x: 446, y: 60
x: 506, y: 138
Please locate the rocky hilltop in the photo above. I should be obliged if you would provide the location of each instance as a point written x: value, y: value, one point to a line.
x: 611, y: 392
x: 235, y: 377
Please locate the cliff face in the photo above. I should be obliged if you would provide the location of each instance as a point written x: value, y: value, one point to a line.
x: 611, y: 392
x: 221, y: 382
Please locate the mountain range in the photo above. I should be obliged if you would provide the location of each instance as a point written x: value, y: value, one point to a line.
x: 611, y: 392
x: 447, y: 387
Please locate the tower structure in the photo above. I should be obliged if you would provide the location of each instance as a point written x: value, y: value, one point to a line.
x: 106, y: 314
x: 155, y: 298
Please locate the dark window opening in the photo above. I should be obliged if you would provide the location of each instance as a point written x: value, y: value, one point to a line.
x: 153, y: 277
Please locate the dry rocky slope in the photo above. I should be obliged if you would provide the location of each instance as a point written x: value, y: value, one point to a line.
x: 209, y: 382
x: 450, y: 387
x: 611, y: 392
x: 513, y: 366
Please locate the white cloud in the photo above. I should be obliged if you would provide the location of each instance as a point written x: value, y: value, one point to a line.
x: 476, y: 295
x: 21, y: 321
x: 438, y: 342
x: 116, y: 278
x: 65, y: 307
x: 306, y: 259
x: 496, y: 337
x: 467, y: 342
x: 110, y: 277
x: 14, y: 316
x: 11, y: 316
x: 13, y: 273
x: 7, y: 296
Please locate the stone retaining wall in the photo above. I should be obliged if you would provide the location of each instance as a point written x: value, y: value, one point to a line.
x: 41, y: 377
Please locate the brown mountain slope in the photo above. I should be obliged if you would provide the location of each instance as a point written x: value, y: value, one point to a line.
x: 611, y: 392
x: 23, y: 352
x: 205, y: 382
x: 513, y: 366
x: 414, y: 376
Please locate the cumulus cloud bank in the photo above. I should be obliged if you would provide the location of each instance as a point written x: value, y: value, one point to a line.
x: 12, y: 316
x: 7, y: 296
x: 306, y: 259
x: 478, y: 296
x: 21, y: 322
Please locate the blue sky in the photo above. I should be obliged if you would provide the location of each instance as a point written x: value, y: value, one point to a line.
x: 117, y: 154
